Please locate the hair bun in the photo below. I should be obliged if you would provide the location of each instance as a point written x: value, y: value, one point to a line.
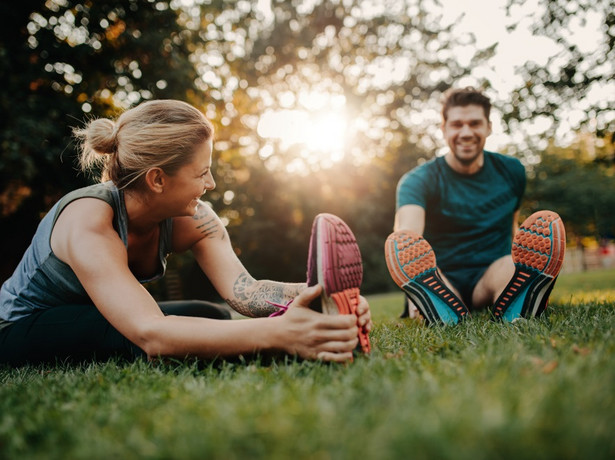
x: 102, y: 136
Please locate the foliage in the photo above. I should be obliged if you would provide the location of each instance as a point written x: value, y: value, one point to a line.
x: 318, y: 57
x: 63, y: 62
x: 383, y: 64
x: 562, y: 85
x: 581, y: 191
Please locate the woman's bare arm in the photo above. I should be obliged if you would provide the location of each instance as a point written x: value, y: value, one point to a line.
x: 206, y: 236
x: 84, y: 238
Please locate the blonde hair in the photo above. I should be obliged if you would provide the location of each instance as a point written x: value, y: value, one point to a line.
x: 162, y: 133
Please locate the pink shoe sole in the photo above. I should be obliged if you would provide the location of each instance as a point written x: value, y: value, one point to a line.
x: 334, y: 262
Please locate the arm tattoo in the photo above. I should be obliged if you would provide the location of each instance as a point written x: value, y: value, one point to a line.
x: 251, y: 296
x: 208, y: 225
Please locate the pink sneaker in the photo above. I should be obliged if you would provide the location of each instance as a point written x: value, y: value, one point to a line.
x: 334, y: 262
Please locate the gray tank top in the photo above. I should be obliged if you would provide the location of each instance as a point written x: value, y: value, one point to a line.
x: 43, y: 281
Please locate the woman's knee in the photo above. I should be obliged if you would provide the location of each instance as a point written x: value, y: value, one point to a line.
x: 197, y: 308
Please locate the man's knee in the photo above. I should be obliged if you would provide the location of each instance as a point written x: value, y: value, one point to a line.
x: 493, y: 281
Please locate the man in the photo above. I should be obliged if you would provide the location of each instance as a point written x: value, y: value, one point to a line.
x: 463, y: 208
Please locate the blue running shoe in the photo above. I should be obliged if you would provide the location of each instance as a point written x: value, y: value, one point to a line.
x: 412, y: 265
x: 538, y: 253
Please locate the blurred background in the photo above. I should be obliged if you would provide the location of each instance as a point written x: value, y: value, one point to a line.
x: 319, y: 106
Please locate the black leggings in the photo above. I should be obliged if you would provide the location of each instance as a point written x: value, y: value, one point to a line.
x: 76, y: 333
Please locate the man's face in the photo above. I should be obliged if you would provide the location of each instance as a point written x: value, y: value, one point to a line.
x: 465, y: 131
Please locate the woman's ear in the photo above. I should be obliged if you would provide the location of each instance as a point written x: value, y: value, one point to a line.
x: 155, y: 178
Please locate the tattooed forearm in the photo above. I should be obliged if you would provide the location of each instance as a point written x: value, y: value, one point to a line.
x: 252, y: 297
x: 243, y: 284
x: 208, y: 224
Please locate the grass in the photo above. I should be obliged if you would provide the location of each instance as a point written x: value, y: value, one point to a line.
x: 537, y: 389
x: 585, y: 287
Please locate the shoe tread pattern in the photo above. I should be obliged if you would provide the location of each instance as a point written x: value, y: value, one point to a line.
x: 538, y: 253
x: 342, y: 268
x: 412, y: 264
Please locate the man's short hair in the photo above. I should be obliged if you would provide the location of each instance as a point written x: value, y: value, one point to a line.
x: 462, y: 97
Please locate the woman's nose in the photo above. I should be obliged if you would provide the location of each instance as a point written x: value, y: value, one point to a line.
x: 210, y: 183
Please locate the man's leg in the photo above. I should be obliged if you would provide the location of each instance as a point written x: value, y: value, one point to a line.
x: 410, y: 310
x: 493, y: 282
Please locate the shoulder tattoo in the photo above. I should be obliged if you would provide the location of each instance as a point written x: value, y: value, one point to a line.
x: 207, y: 223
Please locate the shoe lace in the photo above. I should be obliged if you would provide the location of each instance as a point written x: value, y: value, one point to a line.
x: 282, y: 308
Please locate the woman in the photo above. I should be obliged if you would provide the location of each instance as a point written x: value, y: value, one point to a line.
x: 77, y: 292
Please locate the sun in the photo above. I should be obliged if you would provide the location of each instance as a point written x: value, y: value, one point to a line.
x: 321, y: 133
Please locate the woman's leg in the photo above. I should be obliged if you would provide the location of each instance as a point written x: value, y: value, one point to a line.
x: 80, y: 333
x: 69, y: 333
x: 198, y: 308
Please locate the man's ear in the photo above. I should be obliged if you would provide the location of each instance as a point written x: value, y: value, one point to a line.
x: 155, y: 178
x: 490, y: 130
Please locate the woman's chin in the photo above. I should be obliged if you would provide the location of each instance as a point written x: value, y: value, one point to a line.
x: 194, y: 207
x: 191, y: 209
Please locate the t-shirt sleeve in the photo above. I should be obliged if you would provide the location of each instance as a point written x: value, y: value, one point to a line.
x: 412, y: 188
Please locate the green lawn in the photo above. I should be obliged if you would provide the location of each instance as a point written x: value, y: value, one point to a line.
x: 536, y: 389
x: 585, y: 287
x: 570, y: 289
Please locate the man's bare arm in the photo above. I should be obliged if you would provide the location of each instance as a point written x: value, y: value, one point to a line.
x: 410, y: 217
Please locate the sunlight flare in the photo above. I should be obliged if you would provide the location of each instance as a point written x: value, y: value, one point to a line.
x: 321, y: 133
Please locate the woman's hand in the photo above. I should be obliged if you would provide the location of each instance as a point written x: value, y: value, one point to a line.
x: 364, y: 315
x: 314, y: 335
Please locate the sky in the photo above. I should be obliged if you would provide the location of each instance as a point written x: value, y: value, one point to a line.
x: 487, y: 20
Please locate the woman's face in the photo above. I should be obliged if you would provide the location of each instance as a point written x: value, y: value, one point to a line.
x: 192, y: 180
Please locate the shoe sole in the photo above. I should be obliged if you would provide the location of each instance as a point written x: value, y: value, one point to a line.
x: 412, y: 264
x: 337, y: 268
x: 538, y: 254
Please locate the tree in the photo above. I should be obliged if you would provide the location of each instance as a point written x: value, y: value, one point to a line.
x: 62, y: 62
x: 383, y: 65
x: 580, y: 190
x: 574, y: 89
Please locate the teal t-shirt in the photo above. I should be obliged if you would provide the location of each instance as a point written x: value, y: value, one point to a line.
x: 468, y: 218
